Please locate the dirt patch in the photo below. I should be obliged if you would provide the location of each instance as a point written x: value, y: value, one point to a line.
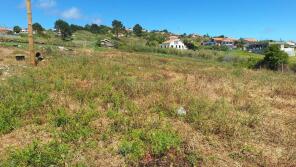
x: 66, y: 101
x: 22, y: 137
x: 5, y: 52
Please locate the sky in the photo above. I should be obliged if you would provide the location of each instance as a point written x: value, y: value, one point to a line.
x: 261, y: 19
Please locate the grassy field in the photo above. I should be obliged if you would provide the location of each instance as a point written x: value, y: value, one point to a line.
x: 115, y: 108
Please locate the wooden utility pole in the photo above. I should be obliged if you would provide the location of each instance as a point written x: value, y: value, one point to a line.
x: 30, y: 33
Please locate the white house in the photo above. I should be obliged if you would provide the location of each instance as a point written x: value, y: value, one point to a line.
x: 174, y: 42
x: 24, y: 31
x: 259, y: 47
x: 290, y: 50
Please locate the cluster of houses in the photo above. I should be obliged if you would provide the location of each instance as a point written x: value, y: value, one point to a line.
x: 5, y: 30
x: 221, y: 41
x: 260, y: 46
x: 249, y: 44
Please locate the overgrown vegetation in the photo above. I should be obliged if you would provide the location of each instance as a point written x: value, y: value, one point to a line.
x: 52, y: 154
x: 274, y: 57
x: 113, y: 108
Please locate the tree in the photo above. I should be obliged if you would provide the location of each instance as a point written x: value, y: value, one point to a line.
x: 189, y: 44
x: 94, y: 28
x: 104, y: 29
x: 274, y: 57
x: 240, y: 43
x: 117, y: 27
x: 75, y: 28
x: 38, y: 28
x: 165, y: 31
x: 64, y: 28
x: 155, y: 37
x: 17, y: 29
x: 221, y: 36
x: 138, y: 30
x: 87, y: 27
x: 97, y: 29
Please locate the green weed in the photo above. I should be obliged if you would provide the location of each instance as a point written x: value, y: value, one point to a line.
x: 52, y: 154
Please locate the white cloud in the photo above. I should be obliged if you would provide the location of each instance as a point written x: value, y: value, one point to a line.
x: 46, y: 4
x: 72, y: 13
x: 97, y: 21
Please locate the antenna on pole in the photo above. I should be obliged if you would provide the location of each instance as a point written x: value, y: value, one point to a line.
x: 30, y: 33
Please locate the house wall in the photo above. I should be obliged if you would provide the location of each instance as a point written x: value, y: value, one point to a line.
x: 289, y: 51
x: 176, y: 45
x: 259, y: 48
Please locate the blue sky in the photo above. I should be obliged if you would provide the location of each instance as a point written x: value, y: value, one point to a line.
x: 262, y: 19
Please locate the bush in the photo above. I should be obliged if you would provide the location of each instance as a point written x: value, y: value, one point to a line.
x: 53, y: 154
x: 162, y: 141
x: 133, y: 146
x: 19, y: 97
x: 133, y: 150
x: 207, y: 54
x: 157, y: 141
x: 61, y: 118
x: 8, y: 120
x: 113, y: 97
x: 74, y: 128
x: 274, y: 57
x: 292, y: 67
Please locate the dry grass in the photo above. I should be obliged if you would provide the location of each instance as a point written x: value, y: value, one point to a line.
x: 236, y: 117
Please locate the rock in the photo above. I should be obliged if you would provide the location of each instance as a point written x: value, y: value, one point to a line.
x: 61, y: 48
x: 181, y: 111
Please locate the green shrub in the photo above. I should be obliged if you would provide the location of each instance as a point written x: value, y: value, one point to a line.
x: 157, y: 141
x: 292, y: 66
x: 194, y: 159
x: 133, y: 150
x: 52, y: 154
x: 77, y: 127
x: 133, y: 146
x: 197, y: 109
x: 274, y: 57
x: 162, y: 141
x: 8, y: 120
x: 113, y: 97
x: 61, y: 118
x: 207, y: 54
x: 121, y: 122
x: 20, y: 96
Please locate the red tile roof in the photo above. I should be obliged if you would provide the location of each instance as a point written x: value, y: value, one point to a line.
x: 224, y: 39
x: 250, y: 39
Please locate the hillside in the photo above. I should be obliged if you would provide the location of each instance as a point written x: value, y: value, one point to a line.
x: 115, y: 108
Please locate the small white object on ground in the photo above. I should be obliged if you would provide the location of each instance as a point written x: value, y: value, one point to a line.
x: 181, y: 111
